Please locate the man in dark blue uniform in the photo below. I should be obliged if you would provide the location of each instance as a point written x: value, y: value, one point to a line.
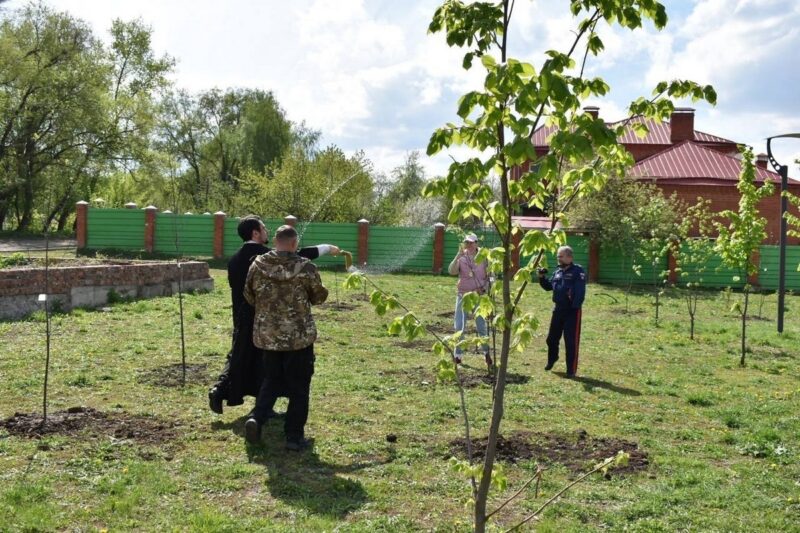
x: 568, y: 284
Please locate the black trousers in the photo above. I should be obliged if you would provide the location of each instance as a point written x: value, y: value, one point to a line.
x: 566, y: 323
x: 289, y: 372
x: 244, y: 371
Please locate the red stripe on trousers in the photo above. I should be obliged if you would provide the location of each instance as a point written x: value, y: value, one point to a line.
x: 574, y: 368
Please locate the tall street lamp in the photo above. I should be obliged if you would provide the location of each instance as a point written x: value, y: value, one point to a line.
x: 783, y: 170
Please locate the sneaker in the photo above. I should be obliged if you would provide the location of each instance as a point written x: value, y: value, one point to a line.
x: 252, y: 431
x: 298, y: 445
x: 457, y: 359
x: 215, y: 400
x: 550, y: 363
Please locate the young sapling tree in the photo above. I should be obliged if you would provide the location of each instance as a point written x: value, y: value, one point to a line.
x: 499, y: 121
x: 693, y: 253
x: 741, y: 237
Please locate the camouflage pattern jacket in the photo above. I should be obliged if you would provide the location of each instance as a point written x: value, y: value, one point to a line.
x: 282, y: 286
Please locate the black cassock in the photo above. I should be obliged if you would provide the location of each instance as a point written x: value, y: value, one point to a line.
x: 244, y: 372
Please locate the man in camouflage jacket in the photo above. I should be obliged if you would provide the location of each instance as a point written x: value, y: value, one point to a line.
x: 282, y: 287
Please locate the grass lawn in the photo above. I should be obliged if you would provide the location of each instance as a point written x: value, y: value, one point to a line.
x: 722, y: 442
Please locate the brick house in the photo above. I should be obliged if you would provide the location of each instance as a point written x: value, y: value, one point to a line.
x: 677, y: 158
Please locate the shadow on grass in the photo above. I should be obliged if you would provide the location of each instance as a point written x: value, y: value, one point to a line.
x: 303, y: 479
x: 591, y: 383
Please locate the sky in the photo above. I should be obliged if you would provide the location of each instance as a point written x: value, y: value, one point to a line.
x: 368, y: 75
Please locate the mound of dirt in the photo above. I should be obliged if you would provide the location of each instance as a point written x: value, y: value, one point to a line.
x: 80, y: 420
x: 577, y: 451
x: 340, y: 306
x: 172, y: 375
x: 480, y: 376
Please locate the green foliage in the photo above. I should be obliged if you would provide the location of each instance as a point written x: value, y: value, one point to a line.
x: 501, y: 118
x: 324, y: 186
x: 742, y: 236
x: 80, y: 108
x: 13, y: 259
x: 744, y: 232
x: 692, y: 253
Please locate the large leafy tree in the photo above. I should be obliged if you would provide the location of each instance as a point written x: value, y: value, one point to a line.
x: 325, y: 186
x: 71, y: 110
x: 499, y: 119
x: 217, y: 137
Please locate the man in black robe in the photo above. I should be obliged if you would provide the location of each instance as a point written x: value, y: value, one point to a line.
x: 243, y: 372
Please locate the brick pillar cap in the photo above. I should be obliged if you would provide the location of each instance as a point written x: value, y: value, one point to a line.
x: 188, y: 213
x: 438, y: 225
x: 363, y: 221
x: 82, y: 202
x: 207, y: 213
x: 131, y: 205
x: 167, y: 211
x: 217, y: 214
x: 290, y: 217
x: 152, y: 207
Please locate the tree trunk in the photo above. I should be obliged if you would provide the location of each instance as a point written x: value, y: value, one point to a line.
x: 658, y: 294
x: 744, y: 324
x: 63, y: 217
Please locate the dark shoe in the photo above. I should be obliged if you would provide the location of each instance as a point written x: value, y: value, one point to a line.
x: 488, y: 359
x: 457, y: 360
x: 570, y: 374
x: 252, y: 431
x: 550, y: 363
x: 298, y: 445
x: 215, y: 400
x: 275, y: 414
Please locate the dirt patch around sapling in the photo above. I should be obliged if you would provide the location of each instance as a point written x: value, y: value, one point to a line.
x: 172, y: 375
x: 338, y: 306
x: 578, y: 452
x: 94, y: 424
x: 474, y: 375
x: 480, y: 375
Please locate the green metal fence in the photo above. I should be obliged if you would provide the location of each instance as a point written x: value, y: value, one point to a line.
x: 395, y: 249
x: 184, y: 234
x: 345, y: 236
x: 616, y: 267
x: 400, y: 248
x: 768, y: 274
x: 120, y: 229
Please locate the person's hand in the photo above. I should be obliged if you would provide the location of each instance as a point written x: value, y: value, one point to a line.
x: 335, y: 250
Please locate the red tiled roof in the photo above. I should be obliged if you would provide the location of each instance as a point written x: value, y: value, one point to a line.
x: 690, y: 161
x: 659, y: 134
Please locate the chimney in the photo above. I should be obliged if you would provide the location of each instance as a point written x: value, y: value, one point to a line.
x: 761, y: 161
x: 592, y: 110
x: 681, y: 124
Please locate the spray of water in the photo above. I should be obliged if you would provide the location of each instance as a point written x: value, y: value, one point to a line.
x: 324, y: 201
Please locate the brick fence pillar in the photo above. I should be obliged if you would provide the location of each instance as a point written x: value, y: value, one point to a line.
x: 438, y: 247
x: 756, y: 260
x: 672, y: 266
x: 219, y: 235
x: 82, y: 223
x: 363, y: 241
x: 290, y: 220
x: 594, y: 260
x: 131, y: 205
x: 150, y: 228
